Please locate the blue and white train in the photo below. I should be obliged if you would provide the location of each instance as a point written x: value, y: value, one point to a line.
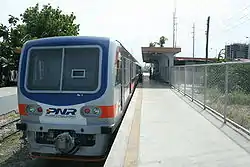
x: 71, y: 94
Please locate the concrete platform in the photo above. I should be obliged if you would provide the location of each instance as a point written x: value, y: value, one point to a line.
x: 166, y: 130
x: 8, y: 99
x: 7, y: 91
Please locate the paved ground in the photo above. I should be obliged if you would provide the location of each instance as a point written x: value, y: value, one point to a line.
x: 175, y: 132
x: 8, y: 99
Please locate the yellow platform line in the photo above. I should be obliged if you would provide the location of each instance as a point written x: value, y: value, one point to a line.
x: 131, y: 158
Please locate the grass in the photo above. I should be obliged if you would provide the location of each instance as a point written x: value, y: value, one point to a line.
x: 8, y: 146
x: 238, y: 106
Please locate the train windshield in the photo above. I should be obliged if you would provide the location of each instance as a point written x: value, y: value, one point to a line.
x: 63, y: 69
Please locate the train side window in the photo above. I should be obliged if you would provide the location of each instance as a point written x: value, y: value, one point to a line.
x: 124, y: 71
x: 118, y: 78
x: 127, y: 72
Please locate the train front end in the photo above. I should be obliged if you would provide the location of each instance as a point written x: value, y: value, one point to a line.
x: 65, y: 103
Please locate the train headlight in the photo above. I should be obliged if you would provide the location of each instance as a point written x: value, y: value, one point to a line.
x: 34, y: 109
x: 31, y: 109
x: 96, y: 111
x: 90, y: 111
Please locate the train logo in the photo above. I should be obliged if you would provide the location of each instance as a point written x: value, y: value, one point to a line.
x: 58, y: 112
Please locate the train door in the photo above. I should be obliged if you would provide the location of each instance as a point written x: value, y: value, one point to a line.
x: 123, y: 80
x: 118, y: 82
x: 131, y: 76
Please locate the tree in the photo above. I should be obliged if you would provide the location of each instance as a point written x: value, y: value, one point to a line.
x: 161, y: 42
x: 34, y: 23
x: 152, y: 44
x: 7, y: 43
x: 48, y: 22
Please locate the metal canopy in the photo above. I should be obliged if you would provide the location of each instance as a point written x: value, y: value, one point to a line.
x: 150, y: 54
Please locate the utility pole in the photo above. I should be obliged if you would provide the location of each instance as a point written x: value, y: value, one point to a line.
x: 207, y: 34
x: 175, y: 34
x: 174, y: 23
x: 173, y: 29
x: 193, y: 37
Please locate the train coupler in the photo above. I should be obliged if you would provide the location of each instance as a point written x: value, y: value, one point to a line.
x: 21, y: 126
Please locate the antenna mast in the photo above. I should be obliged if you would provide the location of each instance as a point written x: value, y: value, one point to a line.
x: 193, y: 37
x: 174, y: 25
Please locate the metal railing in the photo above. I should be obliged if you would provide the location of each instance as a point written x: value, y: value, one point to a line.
x: 224, y: 88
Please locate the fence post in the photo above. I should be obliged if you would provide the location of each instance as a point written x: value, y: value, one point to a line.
x: 193, y: 69
x: 205, y: 87
x: 226, y: 93
x: 185, y: 80
x: 179, y: 85
x: 174, y: 71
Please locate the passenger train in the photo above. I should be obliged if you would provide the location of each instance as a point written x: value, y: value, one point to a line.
x: 72, y: 92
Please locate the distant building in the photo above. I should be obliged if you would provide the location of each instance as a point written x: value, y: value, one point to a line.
x: 237, y: 51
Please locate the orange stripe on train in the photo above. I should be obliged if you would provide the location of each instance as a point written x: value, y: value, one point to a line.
x: 108, y: 111
x: 21, y: 109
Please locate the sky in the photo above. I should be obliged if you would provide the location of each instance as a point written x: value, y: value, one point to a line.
x: 137, y: 23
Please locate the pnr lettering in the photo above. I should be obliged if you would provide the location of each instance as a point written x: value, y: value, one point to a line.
x: 59, y: 111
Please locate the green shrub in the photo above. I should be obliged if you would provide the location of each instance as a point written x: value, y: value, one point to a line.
x: 239, y: 98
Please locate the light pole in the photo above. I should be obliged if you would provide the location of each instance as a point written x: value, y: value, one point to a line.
x: 248, y: 49
x: 247, y: 40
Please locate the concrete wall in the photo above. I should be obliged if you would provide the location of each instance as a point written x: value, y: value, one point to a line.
x: 165, y: 64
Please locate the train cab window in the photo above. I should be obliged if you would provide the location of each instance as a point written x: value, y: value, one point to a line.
x: 81, y: 69
x: 44, y: 69
x: 77, y: 70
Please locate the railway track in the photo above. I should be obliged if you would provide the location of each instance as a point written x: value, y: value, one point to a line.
x: 7, y: 125
x: 12, y: 111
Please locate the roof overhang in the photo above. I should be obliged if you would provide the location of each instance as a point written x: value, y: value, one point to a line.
x: 150, y: 54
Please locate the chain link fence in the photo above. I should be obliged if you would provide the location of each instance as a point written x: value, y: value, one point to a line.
x: 222, y: 87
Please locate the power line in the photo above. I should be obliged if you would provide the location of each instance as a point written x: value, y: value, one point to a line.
x: 246, y: 7
x: 227, y: 25
x: 229, y: 28
x: 232, y: 27
x: 242, y: 17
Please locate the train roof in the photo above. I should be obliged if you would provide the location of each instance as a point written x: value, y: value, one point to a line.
x: 134, y: 59
x: 70, y: 39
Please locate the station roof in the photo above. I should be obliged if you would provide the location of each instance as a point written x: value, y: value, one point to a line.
x: 150, y: 53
